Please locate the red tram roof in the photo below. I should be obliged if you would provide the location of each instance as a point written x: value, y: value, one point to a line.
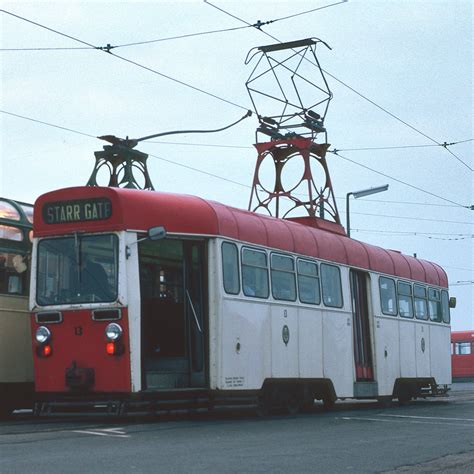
x: 458, y: 336
x: 139, y: 210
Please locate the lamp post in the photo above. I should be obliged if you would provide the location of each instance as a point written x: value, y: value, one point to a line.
x: 357, y: 195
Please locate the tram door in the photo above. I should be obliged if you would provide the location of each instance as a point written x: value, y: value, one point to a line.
x: 360, y: 317
x: 172, y: 313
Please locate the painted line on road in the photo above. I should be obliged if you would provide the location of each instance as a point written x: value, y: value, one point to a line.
x: 110, y: 432
x: 428, y: 417
x: 418, y: 422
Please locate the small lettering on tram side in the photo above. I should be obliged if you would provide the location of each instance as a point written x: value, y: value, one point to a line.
x: 234, y: 381
x: 76, y: 211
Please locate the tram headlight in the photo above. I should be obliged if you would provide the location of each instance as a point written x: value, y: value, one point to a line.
x: 43, y: 335
x: 113, y: 332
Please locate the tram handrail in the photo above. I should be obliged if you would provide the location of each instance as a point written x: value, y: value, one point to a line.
x: 194, y: 312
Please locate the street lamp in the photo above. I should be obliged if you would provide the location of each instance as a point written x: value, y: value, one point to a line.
x: 357, y: 195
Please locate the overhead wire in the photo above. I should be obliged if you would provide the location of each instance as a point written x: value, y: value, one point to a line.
x: 402, y: 182
x: 107, y: 50
x: 350, y: 88
x: 109, y: 47
x: 211, y: 94
x: 233, y: 181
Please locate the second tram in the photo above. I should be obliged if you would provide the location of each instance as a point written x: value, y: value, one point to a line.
x: 229, y: 304
x: 462, y: 355
x: 16, y: 361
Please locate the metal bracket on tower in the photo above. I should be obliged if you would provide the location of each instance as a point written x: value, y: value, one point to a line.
x: 121, y: 167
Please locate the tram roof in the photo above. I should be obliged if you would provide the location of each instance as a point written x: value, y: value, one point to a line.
x: 467, y: 335
x: 139, y: 210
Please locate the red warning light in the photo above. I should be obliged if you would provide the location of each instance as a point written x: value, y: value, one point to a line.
x: 110, y: 348
x: 47, y: 350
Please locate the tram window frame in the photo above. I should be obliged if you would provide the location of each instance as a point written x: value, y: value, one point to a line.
x: 307, y: 278
x: 384, y: 301
x: 420, y: 299
x: 325, y: 281
x: 445, y: 310
x: 463, y: 348
x: 232, y: 266
x: 434, y: 302
x: 405, y: 297
x: 253, y: 287
x: 281, y: 276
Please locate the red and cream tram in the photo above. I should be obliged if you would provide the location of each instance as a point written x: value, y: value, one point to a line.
x: 141, y: 296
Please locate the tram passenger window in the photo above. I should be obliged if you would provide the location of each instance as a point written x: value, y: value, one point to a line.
x: 405, y: 300
x: 283, y: 278
x: 11, y: 233
x: 331, y: 284
x: 421, y: 303
x: 462, y: 348
x: 308, y: 282
x: 388, y: 296
x: 434, y: 305
x: 8, y: 211
x: 13, y: 274
x: 445, y: 307
x: 255, y: 273
x: 230, y: 268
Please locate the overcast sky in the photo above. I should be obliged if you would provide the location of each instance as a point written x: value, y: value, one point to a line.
x: 411, y: 58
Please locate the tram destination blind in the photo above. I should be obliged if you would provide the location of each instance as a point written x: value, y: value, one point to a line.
x: 80, y: 210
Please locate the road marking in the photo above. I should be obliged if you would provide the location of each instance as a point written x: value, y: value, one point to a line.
x: 111, y: 432
x: 352, y: 418
x: 428, y: 417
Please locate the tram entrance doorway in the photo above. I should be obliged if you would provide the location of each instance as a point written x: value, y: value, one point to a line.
x: 173, y: 305
x: 361, y: 325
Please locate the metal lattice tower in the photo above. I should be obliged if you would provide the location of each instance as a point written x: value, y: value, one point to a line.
x: 278, y: 83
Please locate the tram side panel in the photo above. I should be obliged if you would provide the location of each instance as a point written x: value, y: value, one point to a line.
x: 422, y: 349
x: 244, y: 344
x: 16, y: 363
x: 310, y: 336
x: 407, y: 349
x: 285, y: 341
x: 440, y: 356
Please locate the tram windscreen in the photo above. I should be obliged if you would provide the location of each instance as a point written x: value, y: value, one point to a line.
x: 77, y: 269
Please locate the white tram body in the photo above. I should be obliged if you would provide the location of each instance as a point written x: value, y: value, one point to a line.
x: 229, y: 303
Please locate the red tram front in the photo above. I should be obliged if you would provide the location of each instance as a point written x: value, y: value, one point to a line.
x: 96, y: 315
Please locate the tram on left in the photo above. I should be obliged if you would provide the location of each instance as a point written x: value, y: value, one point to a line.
x: 16, y: 359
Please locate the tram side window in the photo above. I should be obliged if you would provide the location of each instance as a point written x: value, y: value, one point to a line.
x: 13, y: 274
x: 434, y: 305
x: 283, y: 277
x: 308, y: 282
x: 230, y: 268
x: 405, y: 299
x: 331, y: 284
x: 421, y: 302
x: 445, y: 307
x: 388, y: 296
x: 462, y: 348
x: 255, y: 273
x: 11, y: 233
